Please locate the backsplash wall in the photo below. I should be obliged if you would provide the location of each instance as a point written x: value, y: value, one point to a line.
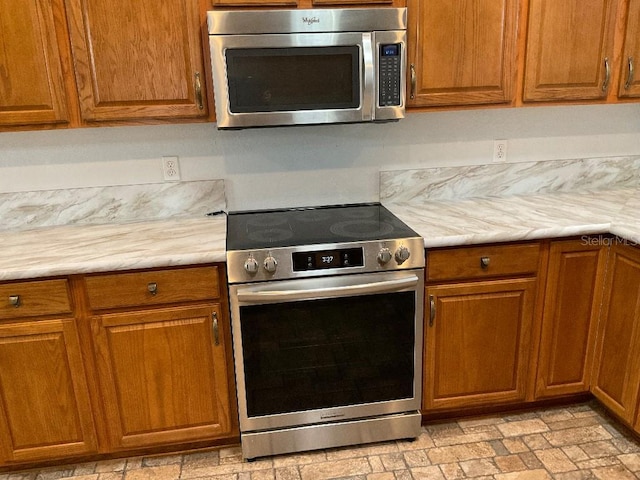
x: 280, y: 167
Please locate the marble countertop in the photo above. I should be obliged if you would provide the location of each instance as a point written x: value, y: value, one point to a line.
x: 501, y: 219
x: 64, y: 250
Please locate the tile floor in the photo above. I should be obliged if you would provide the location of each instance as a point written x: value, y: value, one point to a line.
x: 578, y: 442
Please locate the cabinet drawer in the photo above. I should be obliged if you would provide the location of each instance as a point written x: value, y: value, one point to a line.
x: 30, y: 299
x: 154, y: 287
x: 482, y: 262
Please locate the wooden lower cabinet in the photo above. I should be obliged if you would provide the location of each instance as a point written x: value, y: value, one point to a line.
x: 477, y: 345
x: 44, y: 402
x: 572, y: 298
x: 163, y: 375
x: 616, y: 374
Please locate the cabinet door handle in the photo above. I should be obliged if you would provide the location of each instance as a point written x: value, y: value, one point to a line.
x: 432, y: 310
x: 414, y: 81
x: 484, y: 262
x: 630, y: 72
x: 216, y: 329
x: 14, y: 300
x: 198, y: 88
x: 607, y: 74
x: 152, y: 287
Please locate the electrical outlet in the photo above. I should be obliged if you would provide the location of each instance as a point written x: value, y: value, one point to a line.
x: 500, y: 150
x: 171, y: 169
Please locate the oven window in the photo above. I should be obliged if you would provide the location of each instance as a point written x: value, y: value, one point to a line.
x: 328, y: 353
x: 300, y: 78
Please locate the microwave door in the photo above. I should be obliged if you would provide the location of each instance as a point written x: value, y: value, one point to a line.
x: 293, y: 79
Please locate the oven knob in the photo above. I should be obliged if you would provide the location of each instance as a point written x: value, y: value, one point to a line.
x: 251, y: 265
x: 270, y: 264
x: 402, y: 255
x: 384, y: 255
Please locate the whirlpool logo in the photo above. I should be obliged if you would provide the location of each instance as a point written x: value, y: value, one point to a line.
x: 310, y: 20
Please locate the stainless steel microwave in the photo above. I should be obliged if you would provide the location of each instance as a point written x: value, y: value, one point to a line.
x: 303, y: 67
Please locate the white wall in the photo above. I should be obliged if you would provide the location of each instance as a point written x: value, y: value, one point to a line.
x: 283, y: 167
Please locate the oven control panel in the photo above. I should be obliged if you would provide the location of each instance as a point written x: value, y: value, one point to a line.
x: 320, y: 260
x: 317, y: 260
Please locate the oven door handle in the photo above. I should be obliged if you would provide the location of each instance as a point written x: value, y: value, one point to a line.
x: 248, y: 296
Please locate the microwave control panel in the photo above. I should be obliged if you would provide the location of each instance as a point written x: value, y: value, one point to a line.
x: 389, y: 75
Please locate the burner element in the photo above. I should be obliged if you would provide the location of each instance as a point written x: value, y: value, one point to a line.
x: 361, y: 229
x: 269, y: 236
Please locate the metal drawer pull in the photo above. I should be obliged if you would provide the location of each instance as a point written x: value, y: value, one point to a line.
x: 629, y: 81
x: 432, y: 310
x: 198, y: 89
x: 484, y: 262
x: 14, y: 300
x: 414, y: 81
x: 607, y: 74
x: 153, y: 288
x: 216, y: 329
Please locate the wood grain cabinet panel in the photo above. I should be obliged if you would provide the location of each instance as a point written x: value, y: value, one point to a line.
x: 137, y: 60
x: 485, y: 261
x: 569, y: 51
x: 573, y: 295
x: 30, y: 299
x: 477, y: 342
x: 462, y: 52
x: 616, y: 374
x: 44, y: 402
x: 163, y: 375
x: 630, y: 63
x: 31, y: 83
x: 153, y: 287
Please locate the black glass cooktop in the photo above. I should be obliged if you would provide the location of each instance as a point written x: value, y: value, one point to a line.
x: 317, y: 225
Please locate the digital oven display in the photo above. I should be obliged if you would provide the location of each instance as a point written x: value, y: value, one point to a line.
x: 341, y: 258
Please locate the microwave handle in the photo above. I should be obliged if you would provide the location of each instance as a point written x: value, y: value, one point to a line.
x: 368, y: 80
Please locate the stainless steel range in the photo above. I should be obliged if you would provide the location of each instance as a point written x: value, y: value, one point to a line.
x: 326, y: 309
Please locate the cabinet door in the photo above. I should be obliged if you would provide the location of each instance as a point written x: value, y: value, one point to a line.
x: 477, y: 342
x: 572, y: 305
x: 44, y: 401
x: 163, y: 375
x: 616, y: 375
x: 31, y: 84
x: 630, y: 77
x: 569, y: 50
x: 137, y: 60
x: 461, y: 52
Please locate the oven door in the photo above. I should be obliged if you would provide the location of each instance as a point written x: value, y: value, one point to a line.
x: 290, y: 79
x: 327, y: 349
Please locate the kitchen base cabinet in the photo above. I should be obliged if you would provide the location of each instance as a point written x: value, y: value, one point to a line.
x: 575, y: 281
x: 478, y: 326
x: 44, y: 402
x: 161, y: 344
x: 163, y: 375
x: 616, y: 374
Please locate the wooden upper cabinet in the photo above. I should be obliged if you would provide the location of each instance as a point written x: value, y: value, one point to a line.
x: 630, y: 76
x: 31, y: 82
x: 461, y: 52
x: 137, y: 60
x: 569, y: 51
